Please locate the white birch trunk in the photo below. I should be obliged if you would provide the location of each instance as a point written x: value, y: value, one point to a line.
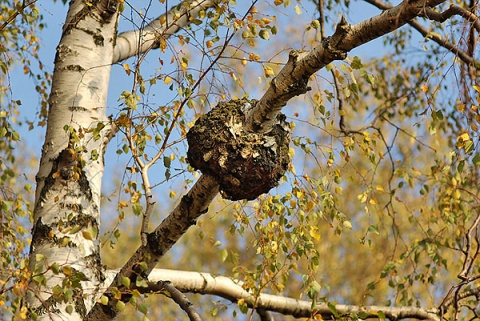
x: 66, y: 214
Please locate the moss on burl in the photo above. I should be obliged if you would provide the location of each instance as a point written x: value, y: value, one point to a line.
x: 244, y: 164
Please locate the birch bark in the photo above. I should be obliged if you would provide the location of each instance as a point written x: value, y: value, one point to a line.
x: 64, y: 255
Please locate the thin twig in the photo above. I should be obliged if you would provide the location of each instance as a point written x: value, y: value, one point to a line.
x: 169, y: 290
x: 16, y: 13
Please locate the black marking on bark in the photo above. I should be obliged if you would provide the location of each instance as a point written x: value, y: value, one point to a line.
x: 47, y: 306
x: 41, y: 233
x: 153, y: 241
x: 78, y: 109
x: 95, y: 260
x: 76, y: 68
x: 85, y: 186
x: 98, y: 39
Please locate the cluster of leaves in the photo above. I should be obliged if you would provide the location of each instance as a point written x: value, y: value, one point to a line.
x: 19, y: 24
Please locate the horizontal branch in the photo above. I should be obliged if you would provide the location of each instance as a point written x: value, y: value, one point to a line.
x: 135, y: 42
x: 205, y: 283
x: 292, y: 80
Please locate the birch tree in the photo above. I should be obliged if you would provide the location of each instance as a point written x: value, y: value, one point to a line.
x: 394, y: 163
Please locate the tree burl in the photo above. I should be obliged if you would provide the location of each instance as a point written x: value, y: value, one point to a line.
x: 245, y: 164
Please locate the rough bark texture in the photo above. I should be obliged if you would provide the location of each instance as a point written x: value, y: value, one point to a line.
x: 66, y: 214
x: 244, y: 164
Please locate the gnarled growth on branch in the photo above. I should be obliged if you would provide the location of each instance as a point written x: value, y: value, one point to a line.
x: 245, y: 164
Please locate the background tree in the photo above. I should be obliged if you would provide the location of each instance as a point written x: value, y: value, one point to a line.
x: 376, y: 216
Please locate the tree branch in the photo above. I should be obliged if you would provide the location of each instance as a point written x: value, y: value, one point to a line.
x: 167, y: 288
x: 191, y: 207
x: 132, y: 43
x: 292, y: 80
x: 450, y: 12
x: 450, y: 300
x: 205, y: 283
x: 463, y: 55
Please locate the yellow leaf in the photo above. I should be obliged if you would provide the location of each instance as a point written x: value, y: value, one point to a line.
x: 277, y: 2
x: 347, y: 224
x: 310, y: 206
x: 297, y: 10
x: 464, y: 137
x: 167, y: 80
x: 67, y: 270
x: 87, y: 235
x: 184, y: 66
x: 127, y: 68
x: 339, y: 190
x: 266, y: 20
x: 293, y: 203
x: 314, y: 232
x: 268, y: 71
x: 122, y: 204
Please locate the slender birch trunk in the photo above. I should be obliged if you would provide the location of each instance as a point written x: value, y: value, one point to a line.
x: 64, y: 256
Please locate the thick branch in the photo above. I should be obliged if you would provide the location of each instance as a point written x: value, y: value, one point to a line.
x: 135, y: 42
x: 292, y: 79
x: 191, y: 207
x: 205, y: 283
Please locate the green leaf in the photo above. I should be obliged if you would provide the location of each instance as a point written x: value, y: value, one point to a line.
x: 356, y: 63
x: 264, y: 34
x: 120, y: 306
x: 223, y: 255
x: 104, y: 300
x: 142, y: 307
x: 126, y: 282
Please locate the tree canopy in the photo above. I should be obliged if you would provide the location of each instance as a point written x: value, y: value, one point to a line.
x: 281, y: 159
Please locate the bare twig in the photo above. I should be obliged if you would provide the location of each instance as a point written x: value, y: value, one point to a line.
x: 469, y: 259
x: 169, y: 290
